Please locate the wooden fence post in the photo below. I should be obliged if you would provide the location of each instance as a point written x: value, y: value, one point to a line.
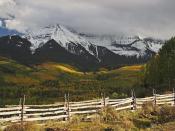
x: 173, y: 97
x: 133, y: 103
x: 22, y: 110
x: 68, y: 104
x: 19, y: 106
x: 65, y: 100
x: 154, y: 98
x: 65, y: 106
x: 103, y: 99
x: 107, y: 101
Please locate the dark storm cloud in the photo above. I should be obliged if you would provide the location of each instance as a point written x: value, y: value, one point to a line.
x: 145, y: 17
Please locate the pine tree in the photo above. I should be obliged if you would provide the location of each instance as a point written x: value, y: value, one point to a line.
x: 160, y: 70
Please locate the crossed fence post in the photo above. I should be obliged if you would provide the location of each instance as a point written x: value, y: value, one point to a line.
x: 22, y: 102
x: 104, y: 101
x: 133, y: 103
x: 67, y: 106
x: 154, y: 98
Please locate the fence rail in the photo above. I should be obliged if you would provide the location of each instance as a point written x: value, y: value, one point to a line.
x: 63, y: 111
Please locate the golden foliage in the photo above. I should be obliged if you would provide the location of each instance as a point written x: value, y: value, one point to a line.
x: 132, y: 68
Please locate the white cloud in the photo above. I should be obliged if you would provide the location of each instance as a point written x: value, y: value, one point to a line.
x: 3, y: 2
x: 147, y: 17
x: 7, y: 7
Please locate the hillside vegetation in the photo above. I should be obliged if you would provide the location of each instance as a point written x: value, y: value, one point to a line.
x: 48, y: 82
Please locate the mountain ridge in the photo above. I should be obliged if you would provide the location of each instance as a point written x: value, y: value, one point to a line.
x: 59, y: 44
x: 65, y: 37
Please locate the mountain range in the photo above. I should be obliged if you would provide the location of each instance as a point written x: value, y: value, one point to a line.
x: 57, y: 43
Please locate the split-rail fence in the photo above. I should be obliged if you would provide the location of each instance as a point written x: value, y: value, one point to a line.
x: 64, y: 110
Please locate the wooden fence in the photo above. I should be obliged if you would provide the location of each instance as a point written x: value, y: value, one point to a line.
x: 64, y: 110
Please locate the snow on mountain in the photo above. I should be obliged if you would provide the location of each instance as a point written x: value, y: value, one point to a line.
x: 127, y: 46
x: 153, y: 44
x: 103, y: 40
x: 72, y: 41
x: 61, y: 35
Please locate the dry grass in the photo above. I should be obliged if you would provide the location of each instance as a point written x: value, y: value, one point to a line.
x: 25, y: 127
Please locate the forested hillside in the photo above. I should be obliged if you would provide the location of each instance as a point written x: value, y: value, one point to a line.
x: 47, y: 83
x: 160, y: 71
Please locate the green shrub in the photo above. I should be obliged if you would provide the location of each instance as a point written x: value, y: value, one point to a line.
x: 116, y: 95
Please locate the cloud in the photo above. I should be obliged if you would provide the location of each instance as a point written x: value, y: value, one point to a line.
x: 6, y: 8
x: 132, y: 17
x: 0, y: 23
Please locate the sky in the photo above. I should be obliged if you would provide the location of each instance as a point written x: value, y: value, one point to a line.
x: 149, y: 18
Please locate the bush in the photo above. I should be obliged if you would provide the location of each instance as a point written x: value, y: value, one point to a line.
x: 159, y: 114
x: 147, y: 109
x: 75, y: 120
x: 108, y: 114
x: 124, y: 119
x: 116, y: 95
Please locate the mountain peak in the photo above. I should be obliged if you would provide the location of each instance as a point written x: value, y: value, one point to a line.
x: 43, y: 35
x: 63, y: 36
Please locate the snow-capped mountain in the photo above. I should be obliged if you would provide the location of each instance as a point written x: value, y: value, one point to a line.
x: 127, y: 46
x: 64, y: 37
x: 71, y: 41
x: 60, y: 44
